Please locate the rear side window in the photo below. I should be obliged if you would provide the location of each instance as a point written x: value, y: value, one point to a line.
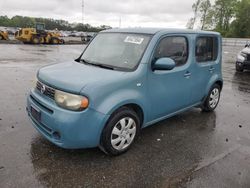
x: 175, y: 48
x: 206, y: 49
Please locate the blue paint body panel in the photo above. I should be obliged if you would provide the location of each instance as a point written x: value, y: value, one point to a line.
x: 77, y: 129
x: 160, y: 94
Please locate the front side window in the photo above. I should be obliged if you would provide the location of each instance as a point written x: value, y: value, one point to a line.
x: 116, y: 50
x: 175, y: 47
x: 206, y: 49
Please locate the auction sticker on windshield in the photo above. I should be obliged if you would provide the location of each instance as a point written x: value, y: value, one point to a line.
x: 134, y: 39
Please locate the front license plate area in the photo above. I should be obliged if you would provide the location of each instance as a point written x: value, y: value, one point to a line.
x: 36, y: 114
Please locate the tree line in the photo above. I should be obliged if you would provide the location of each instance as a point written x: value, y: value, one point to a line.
x: 229, y: 17
x: 50, y: 24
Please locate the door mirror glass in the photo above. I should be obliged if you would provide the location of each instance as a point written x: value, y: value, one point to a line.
x: 164, y: 64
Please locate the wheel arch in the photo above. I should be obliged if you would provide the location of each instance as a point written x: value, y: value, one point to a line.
x: 214, y: 80
x: 133, y: 106
x: 138, y: 110
x: 220, y: 83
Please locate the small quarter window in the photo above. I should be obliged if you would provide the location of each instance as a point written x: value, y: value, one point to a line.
x: 175, y: 48
x: 206, y: 49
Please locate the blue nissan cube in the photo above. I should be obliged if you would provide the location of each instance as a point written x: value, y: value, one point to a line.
x: 125, y: 80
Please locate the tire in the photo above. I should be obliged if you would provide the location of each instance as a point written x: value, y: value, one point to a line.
x: 212, y: 99
x: 42, y: 40
x: 120, y: 131
x: 62, y: 41
x: 238, y: 68
x: 55, y: 41
x: 35, y: 40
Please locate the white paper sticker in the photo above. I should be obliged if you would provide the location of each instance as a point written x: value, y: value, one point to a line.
x: 134, y: 39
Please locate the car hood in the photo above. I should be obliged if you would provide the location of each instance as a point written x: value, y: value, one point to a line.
x: 73, y: 76
x: 246, y: 50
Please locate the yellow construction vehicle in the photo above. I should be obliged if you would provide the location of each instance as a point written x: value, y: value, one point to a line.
x: 38, y: 35
x: 4, y: 35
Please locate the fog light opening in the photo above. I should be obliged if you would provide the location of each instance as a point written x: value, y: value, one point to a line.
x: 56, y: 135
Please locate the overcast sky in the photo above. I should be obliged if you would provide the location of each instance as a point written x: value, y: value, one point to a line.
x: 140, y: 13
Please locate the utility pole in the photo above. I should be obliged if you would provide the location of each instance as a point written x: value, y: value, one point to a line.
x: 82, y: 12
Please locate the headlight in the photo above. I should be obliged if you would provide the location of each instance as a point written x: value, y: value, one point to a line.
x: 71, y: 101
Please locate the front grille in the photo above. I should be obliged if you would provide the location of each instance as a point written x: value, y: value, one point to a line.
x: 45, y: 90
x: 34, y: 100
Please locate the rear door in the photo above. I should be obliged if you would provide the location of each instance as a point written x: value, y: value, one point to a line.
x: 205, y: 66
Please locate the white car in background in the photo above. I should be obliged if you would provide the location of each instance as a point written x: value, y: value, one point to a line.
x: 243, y: 59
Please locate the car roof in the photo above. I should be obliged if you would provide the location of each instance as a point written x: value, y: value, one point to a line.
x: 153, y: 31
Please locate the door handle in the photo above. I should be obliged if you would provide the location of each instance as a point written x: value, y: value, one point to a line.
x: 187, y: 74
x: 211, y: 69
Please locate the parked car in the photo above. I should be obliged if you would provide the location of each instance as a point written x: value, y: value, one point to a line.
x: 243, y: 59
x: 126, y: 80
x: 86, y: 38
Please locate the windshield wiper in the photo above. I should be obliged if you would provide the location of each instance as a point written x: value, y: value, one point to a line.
x: 85, y: 61
x: 104, y: 66
x: 97, y: 64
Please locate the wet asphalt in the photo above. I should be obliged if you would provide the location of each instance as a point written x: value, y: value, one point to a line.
x: 193, y: 149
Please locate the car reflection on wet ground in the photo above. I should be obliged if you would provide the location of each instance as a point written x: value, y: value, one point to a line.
x: 193, y: 149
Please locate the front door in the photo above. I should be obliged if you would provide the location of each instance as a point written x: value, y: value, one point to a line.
x: 169, y: 90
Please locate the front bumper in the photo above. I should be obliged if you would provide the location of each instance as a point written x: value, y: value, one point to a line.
x: 66, y: 129
x: 244, y: 64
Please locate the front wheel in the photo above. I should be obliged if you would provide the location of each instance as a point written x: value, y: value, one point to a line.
x: 212, y: 99
x: 120, y: 131
x: 62, y: 41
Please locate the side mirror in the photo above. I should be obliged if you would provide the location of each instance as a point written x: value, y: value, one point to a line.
x: 164, y: 64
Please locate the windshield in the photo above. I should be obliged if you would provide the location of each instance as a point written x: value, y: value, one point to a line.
x: 116, y: 50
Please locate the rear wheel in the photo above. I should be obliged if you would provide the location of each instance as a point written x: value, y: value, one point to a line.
x: 35, y: 40
x: 212, y: 99
x: 55, y: 41
x: 120, y: 131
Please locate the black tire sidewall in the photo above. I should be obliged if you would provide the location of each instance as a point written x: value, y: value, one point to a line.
x: 55, y: 41
x: 206, y: 106
x: 106, y: 133
x: 35, y: 38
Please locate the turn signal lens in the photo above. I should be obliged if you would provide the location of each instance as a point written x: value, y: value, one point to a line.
x: 85, y: 103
